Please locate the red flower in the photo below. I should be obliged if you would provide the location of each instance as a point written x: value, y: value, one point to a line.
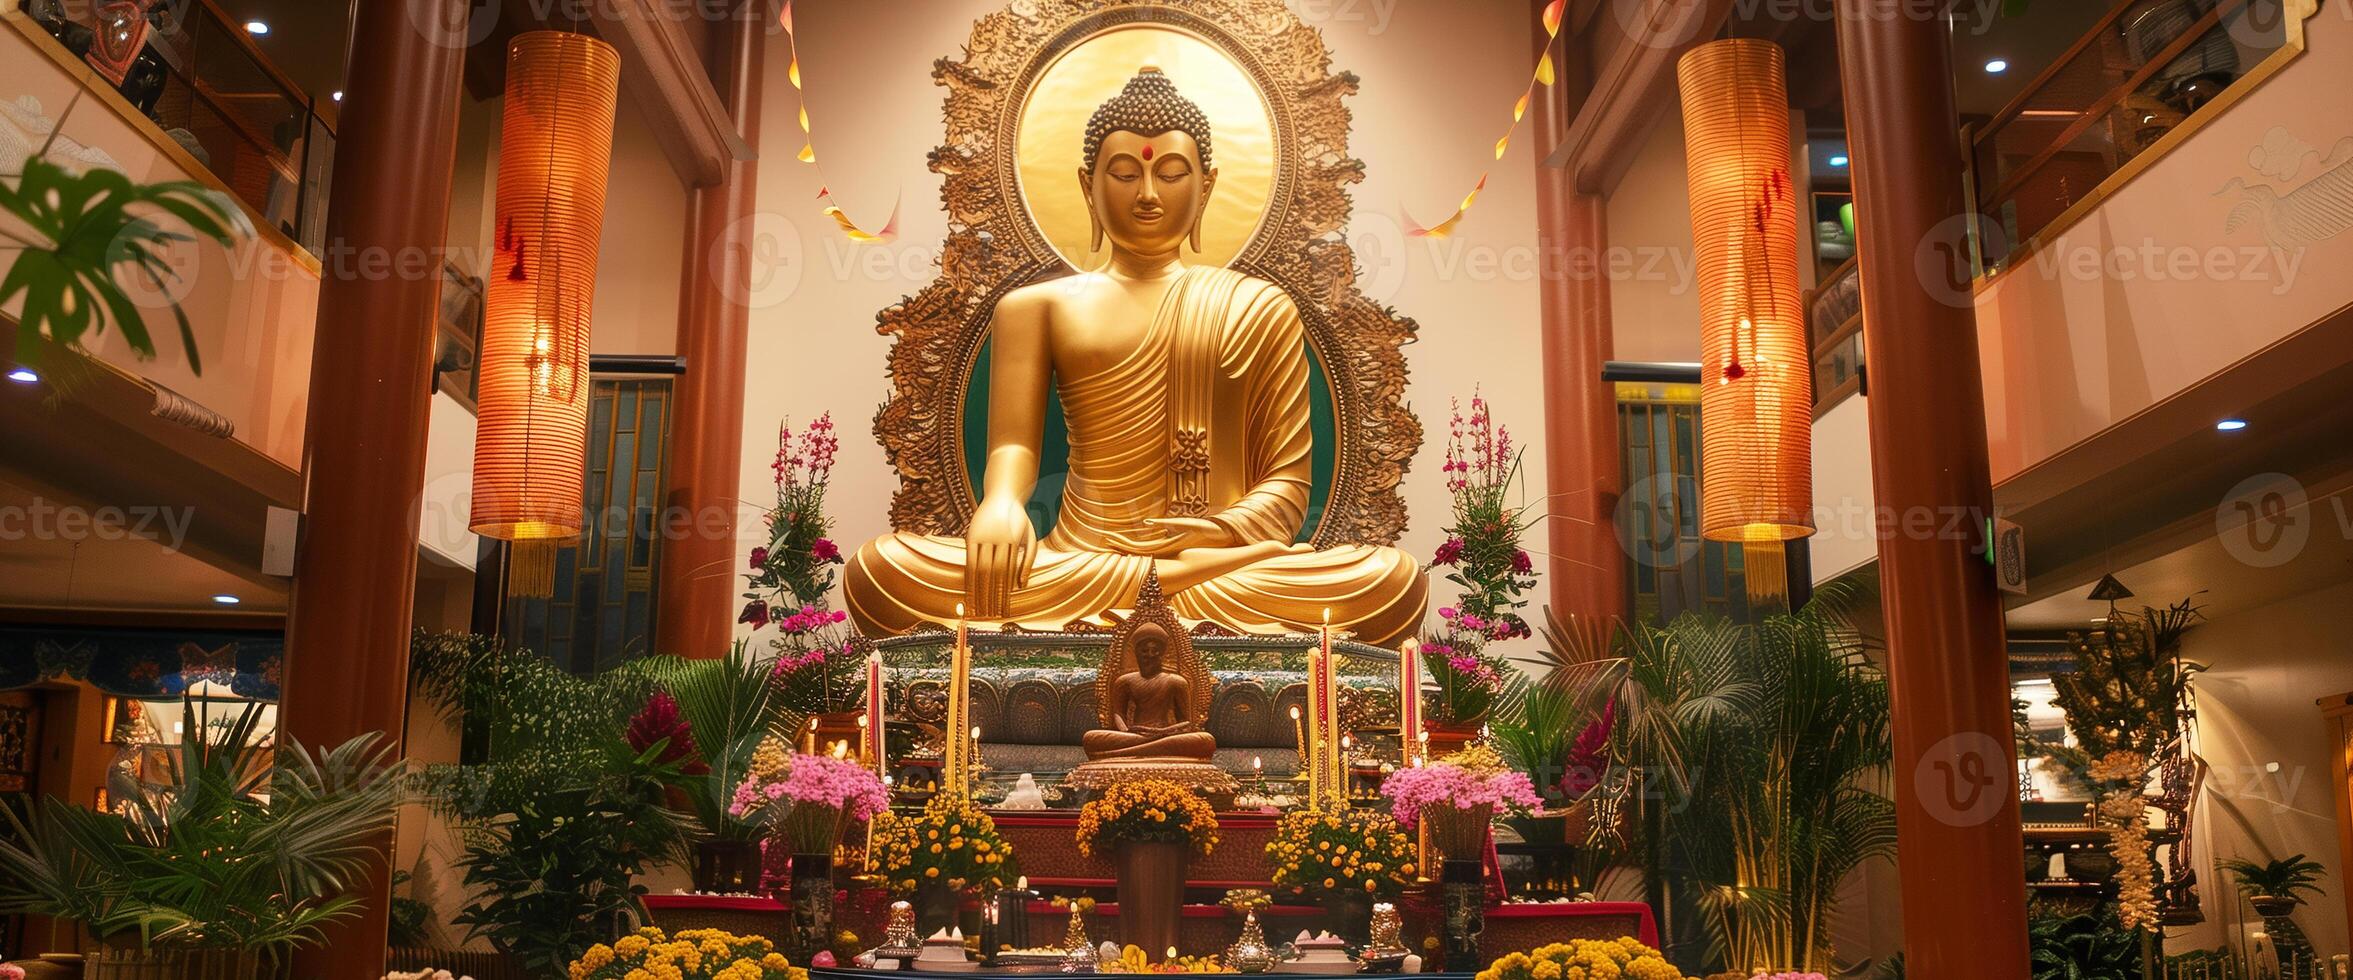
x: 660, y: 721
x: 1589, y: 757
x: 1521, y: 563
x: 1448, y: 553
x: 755, y: 612
x: 826, y: 550
x: 759, y: 558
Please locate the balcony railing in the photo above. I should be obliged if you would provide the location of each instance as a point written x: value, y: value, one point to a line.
x: 2148, y: 73
x: 213, y: 95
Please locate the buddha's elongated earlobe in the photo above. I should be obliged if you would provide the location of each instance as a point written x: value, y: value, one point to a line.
x: 1086, y: 190
x: 1201, y: 207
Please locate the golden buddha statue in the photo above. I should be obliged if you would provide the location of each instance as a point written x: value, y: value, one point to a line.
x: 1185, y: 391
x: 1151, y: 710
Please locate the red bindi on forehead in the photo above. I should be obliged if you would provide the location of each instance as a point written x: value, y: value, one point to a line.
x: 1147, y: 151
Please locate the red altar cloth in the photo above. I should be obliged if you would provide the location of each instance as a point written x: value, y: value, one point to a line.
x: 1647, y: 931
x: 741, y: 915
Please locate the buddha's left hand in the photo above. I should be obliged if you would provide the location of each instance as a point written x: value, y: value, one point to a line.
x: 1164, y: 537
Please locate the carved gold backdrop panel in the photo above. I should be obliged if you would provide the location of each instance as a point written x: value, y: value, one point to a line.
x: 993, y: 245
x: 1054, y: 121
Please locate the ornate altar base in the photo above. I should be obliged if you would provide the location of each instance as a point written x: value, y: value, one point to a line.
x: 1206, y: 930
x: 1054, y: 866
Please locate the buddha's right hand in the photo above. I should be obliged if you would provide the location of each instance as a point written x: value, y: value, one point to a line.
x: 998, y: 549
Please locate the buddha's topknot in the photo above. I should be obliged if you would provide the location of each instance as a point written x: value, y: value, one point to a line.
x: 1149, y: 105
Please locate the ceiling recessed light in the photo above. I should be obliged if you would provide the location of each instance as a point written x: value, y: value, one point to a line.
x: 1996, y: 66
x: 257, y: 28
x: 2230, y: 425
x: 226, y: 599
x: 338, y: 96
x: 1838, y: 161
x: 23, y: 376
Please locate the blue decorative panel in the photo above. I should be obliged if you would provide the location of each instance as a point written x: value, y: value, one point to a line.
x: 602, y: 612
x: 1670, y: 568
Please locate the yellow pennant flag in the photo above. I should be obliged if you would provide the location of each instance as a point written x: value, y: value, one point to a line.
x: 808, y: 154
x: 1545, y: 74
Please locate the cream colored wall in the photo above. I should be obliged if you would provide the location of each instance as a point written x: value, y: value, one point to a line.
x: 2267, y: 792
x: 1654, y: 295
x: 637, y: 267
x: 1846, y: 534
x: 1439, y: 78
x: 1654, y: 304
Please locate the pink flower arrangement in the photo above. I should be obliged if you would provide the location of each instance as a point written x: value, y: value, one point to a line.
x: 1458, y: 800
x: 11, y: 971
x: 1444, y: 784
x: 811, y: 798
x: 1482, y: 556
x: 793, y: 573
x: 815, y: 780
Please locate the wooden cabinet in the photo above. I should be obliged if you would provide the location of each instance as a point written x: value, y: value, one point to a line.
x: 2338, y: 711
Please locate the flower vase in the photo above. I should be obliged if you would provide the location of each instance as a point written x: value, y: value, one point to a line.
x: 727, y: 867
x: 936, y: 906
x: 812, y: 907
x: 1348, y: 914
x: 1151, y: 890
x: 1463, y: 900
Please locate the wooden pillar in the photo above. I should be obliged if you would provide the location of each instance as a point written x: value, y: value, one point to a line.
x: 371, y: 366
x: 1585, y: 565
x: 1958, y: 838
x: 698, y: 581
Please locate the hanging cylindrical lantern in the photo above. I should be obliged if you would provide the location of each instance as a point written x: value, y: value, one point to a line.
x: 1757, y: 399
x: 530, y: 444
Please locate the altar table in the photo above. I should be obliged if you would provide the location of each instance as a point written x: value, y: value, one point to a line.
x: 743, y: 915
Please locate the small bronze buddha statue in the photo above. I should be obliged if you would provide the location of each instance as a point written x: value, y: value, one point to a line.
x: 1153, y: 697
x: 1151, y: 710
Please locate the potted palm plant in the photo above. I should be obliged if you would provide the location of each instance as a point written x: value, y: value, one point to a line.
x: 222, y: 869
x: 560, y: 812
x: 723, y: 708
x: 2275, y: 889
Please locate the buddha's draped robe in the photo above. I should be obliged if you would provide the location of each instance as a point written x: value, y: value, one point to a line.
x: 1208, y: 417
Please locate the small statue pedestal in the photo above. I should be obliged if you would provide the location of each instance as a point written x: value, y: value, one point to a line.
x: 1200, y: 777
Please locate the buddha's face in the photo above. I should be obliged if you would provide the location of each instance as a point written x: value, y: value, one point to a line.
x: 1147, y: 193
x: 1151, y: 651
